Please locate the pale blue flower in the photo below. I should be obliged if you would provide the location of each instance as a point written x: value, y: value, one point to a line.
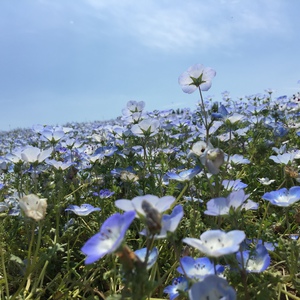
x: 236, y: 199
x: 212, y: 288
x: 238, y: 159
x: 256, y: 260
x: 184, y: 175
x: 215, y: 243
x: 283, y: 197
x: 198, y: 268
x: 82, y: 210
x: 147, y: 127
x: 196, y: 76
x: 160, y: 204
x: 284, y: 158
x: 104, y: 194
x: 110, y: 237
x: 178, y: 284
x: 234, y: 184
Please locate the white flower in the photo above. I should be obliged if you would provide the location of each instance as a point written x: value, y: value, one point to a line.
x: 145, y: 127
x: 33, y: 154
x: 33, y: 206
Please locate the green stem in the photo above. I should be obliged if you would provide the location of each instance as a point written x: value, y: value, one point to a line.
x: 263, y: 219
x: 204, y: 115
x: 4, y: 273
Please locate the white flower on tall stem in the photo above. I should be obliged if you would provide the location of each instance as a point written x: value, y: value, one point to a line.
x: 196, y: 76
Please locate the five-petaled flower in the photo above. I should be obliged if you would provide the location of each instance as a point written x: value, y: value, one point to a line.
x: 236, y: 199
x: 196, y: 76
x: 215, y: 243
x: 179, y: 284
x: 82, y: 210
x: 256, y: 260
x: 110, y: 237
x: 283, y: 197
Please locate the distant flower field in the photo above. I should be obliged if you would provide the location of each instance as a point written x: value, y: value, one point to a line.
x: 174, y: 204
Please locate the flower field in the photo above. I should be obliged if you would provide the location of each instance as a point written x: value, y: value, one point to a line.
x: 174, y: 204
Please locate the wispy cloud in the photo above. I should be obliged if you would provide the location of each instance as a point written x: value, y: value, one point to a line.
x: 193, y: 24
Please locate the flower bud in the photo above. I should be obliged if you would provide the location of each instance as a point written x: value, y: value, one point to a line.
x: 33, y: 206
x: 214, y: 160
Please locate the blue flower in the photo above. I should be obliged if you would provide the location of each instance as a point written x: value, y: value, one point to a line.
x: 234, y: 184
x: 283, y: 197
x: 110, y: 237
x: 236, y: 199
x: 184, y: 175
x: 284, y: 158
x: 215, y: 243
x: 178, y: 284
x: 141, y: 254
x: 198, y: 268
x: 104, y: 194
x: 83, y: 210
x: 213, y: 288
x: 254, y: 261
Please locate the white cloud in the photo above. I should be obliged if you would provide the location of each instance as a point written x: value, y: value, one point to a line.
x: 179, y: 25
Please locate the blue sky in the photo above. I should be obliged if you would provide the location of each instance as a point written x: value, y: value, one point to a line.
x: 82, y: 60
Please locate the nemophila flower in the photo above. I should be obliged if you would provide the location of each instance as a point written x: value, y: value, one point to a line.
x: 236, y: 199
x: 280, y: 131
x: 53, y: 135
x: 238, y: 159
x: 212, y: 288
x: 198, y: 268
x: 153, y: 255
x: 215, y: 243
x: 280, y: 150
x: 168, y: 223
x: 254, y: 261
x: 226, y: 116
x: 284, y: 158
x: 104, y: 194
x: 133, y: 107
x: 106, y: 151
x: 283, y: 197
x: 265, y: 180
x: 33, y: 206
x: 233, y: 184
x: 184, y: 175
x: 82, y: 210
x: 179, y: 284
x: 214, y: 159
x: 196, y: 76
x: 110, y: 237
x: 147, y: 127
x: 160, y: 204
x: 59, y: 164
x: 33, y: 154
